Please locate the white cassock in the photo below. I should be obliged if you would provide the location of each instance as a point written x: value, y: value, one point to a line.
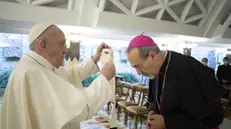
x: 38, y: 96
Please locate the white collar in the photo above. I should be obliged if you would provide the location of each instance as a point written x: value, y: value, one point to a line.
x: 40, y: 60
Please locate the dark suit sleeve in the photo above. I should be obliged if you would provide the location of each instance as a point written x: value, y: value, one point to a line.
x: 151, y: 96
x: 219, y: 77
x: 184, y: 121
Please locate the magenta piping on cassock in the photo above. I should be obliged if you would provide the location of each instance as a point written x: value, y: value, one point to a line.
x: 216, y: 99
x: 207, y: 127
x: 214, y: 108
x: 161, y: 99
x: 208, y: 113
x: 213, y: 102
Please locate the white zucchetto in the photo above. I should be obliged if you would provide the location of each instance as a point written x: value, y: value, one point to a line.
x: 37, y: 30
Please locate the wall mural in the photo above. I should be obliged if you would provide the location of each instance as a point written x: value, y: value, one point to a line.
x: 14, y: 49
x: 214, y: 55
x: 10, y: 53
x: 16, y: 45
x: 212, y: 59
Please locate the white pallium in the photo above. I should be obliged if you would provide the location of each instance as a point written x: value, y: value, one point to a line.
x: 107, y: 56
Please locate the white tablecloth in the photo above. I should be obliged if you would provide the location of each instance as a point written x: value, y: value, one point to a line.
x: 95, y: 124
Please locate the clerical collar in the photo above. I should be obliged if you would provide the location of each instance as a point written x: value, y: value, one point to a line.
x: 162, y: 69
x: 39, y: 59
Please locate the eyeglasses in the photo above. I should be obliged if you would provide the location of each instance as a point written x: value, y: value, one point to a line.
x: 139, y: 66
x: 63, y: 44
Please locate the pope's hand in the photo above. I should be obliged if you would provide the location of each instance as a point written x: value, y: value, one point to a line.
x: 98, y: 53
x: 108, y: 70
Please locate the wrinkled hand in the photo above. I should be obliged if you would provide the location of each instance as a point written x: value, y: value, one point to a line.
x: 108, y: 70
x: 151, y: 113
x: 149, y: 117
x: 156, y: 122
x: 98, y: 53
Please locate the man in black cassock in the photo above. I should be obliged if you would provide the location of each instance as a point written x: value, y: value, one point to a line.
x: 183, y: 93
x: 204, y: 61
x: 224, y: 72
x: 224, y: 75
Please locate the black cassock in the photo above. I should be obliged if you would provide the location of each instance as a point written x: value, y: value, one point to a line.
x: 187, y: 94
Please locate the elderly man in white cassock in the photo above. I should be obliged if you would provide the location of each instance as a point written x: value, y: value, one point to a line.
x: 42, y: 95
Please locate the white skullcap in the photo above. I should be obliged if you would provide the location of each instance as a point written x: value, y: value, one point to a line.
x: 37, y: 30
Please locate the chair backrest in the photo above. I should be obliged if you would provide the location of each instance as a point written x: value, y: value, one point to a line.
x: 136, y: 93
x: 123, y: 88
x: 140, y: 84
x: 144, y: 99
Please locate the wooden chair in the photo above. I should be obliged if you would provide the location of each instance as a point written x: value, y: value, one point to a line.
x: 119, y: 81
x: 229, y: 118
x: 138, y: 110
x: 124, y: 91
x: 138, y: 87
x: 122, y: 94
x: 226, y: 103
x: 136, y: 94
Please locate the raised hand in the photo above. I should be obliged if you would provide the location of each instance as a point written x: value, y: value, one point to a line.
x: 98, y: 53
x: 108, y: 70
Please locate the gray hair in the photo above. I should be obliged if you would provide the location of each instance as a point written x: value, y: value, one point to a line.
x: 33, y: 45
x: 143, y: 51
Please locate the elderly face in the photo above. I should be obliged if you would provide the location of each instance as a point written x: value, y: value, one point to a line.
x: 56, y: 46
x: 147, y: 67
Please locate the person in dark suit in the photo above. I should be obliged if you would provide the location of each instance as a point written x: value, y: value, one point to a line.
x: 204, y: 61
x: 224, y: 75
x: 184, y: 94
x: 224, y: 72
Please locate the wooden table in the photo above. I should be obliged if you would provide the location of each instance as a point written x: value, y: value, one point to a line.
x: 99, y: 122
